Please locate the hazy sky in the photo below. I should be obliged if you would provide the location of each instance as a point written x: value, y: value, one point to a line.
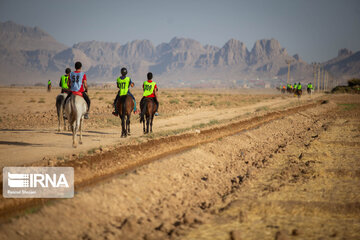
x: 316, y: 29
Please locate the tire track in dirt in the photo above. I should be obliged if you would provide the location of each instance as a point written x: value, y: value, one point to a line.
x: 91, y: 169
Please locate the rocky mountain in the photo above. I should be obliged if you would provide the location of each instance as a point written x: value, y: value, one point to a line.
x: 345, y: 66
x: 19, y: 37
x: 29, y: 55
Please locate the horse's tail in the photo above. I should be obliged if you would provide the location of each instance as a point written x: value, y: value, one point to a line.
x: 143, y: 111
x: 124, y: 105
x: 72, y: 105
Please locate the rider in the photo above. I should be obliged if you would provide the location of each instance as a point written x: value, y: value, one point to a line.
x: 299, y: 87
x: 78, y: 86
x: 64, y: 81
x: 150, y: 88
x: 123, y: 84
x: 310, y: 86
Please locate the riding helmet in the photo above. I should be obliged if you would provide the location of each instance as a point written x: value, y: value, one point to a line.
x: 123, y: 71
x: 149, y: 75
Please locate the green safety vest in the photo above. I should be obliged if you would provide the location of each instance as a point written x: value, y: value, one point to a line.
x: 49, y: 82
x: 310, y: 86
x: 64, y: 80
x: 299, y: 87
x: 123, y: 84
x: 295, y: 86
x: 148, y: 88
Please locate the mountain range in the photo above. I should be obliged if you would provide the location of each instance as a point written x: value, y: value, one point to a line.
x: 30, y: 55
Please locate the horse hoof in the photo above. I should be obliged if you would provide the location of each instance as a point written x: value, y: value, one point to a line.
x: 80, y: 142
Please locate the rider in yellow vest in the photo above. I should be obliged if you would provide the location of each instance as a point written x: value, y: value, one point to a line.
x: 299, y: 87
x: 64, y: 81
x: 49, y: 82
x: 150, y: 88
x: 123, y: 83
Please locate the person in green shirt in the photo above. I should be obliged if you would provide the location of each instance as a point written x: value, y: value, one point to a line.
x: 309, y: 88
x: 49, y: 86
x: 123, y: 83
x: 64, y: 81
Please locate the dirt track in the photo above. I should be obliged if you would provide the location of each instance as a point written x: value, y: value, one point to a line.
x: 210, y: 190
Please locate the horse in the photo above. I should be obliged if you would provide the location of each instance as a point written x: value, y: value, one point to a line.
x: 49, y: 88
x: 60, y: 99
x: 75, y: 109
x: 125, y: 106
x: 148, y: 110
x: 298, y: 93
x: 309, y: 91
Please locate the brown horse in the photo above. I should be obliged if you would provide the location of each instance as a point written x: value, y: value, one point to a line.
x: 148, y: 111
x: 125, y: 106
x: 298, y: 93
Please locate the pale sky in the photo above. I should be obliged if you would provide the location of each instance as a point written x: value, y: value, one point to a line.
x: 315, y: 29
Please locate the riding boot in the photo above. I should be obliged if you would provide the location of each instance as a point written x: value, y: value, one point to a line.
x: 157, y: 106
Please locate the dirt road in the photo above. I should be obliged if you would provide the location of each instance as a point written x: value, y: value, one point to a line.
x: 290, y: 175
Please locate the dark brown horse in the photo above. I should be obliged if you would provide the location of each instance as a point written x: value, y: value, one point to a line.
x: 125, y: 106
x: 148, y: 111
x: 298, y: 92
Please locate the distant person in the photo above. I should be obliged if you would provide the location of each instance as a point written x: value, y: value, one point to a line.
x: 64, y: 81
x: 150, y: 88
x: 299, y: 87
x: 78, y: 86
x: 49, y: 85
x: 123, y: 83
x: 309, y: 88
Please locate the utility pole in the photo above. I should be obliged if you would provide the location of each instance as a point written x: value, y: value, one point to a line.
x: 288, y: 62
x: 314, y: 69
x: 319, y: 77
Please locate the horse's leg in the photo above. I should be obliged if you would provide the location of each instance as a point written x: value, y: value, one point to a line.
x: 76, y: 128
x: 73, y: 128
x: 144, y: 126
x: 151, y: 121
x: 128, y: 124
x: 59, y: 118
x: 80, y: 129
x: 147, y: 123
x: 123, y: 133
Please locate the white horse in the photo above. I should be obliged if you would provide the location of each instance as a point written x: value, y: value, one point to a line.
x: 75, y: 109
x: 60, y: 99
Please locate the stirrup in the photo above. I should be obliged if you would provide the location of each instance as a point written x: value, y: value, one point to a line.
x: 115, y: 113
x: 156, y: 114
x: 86, y: 116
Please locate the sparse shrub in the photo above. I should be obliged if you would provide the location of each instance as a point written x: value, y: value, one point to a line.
x: 174, y: 101
x: 214, y: 121
x: 354, y: 82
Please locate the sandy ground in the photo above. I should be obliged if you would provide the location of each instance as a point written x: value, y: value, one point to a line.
x: 29, y: 133
x: 294, y: 176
